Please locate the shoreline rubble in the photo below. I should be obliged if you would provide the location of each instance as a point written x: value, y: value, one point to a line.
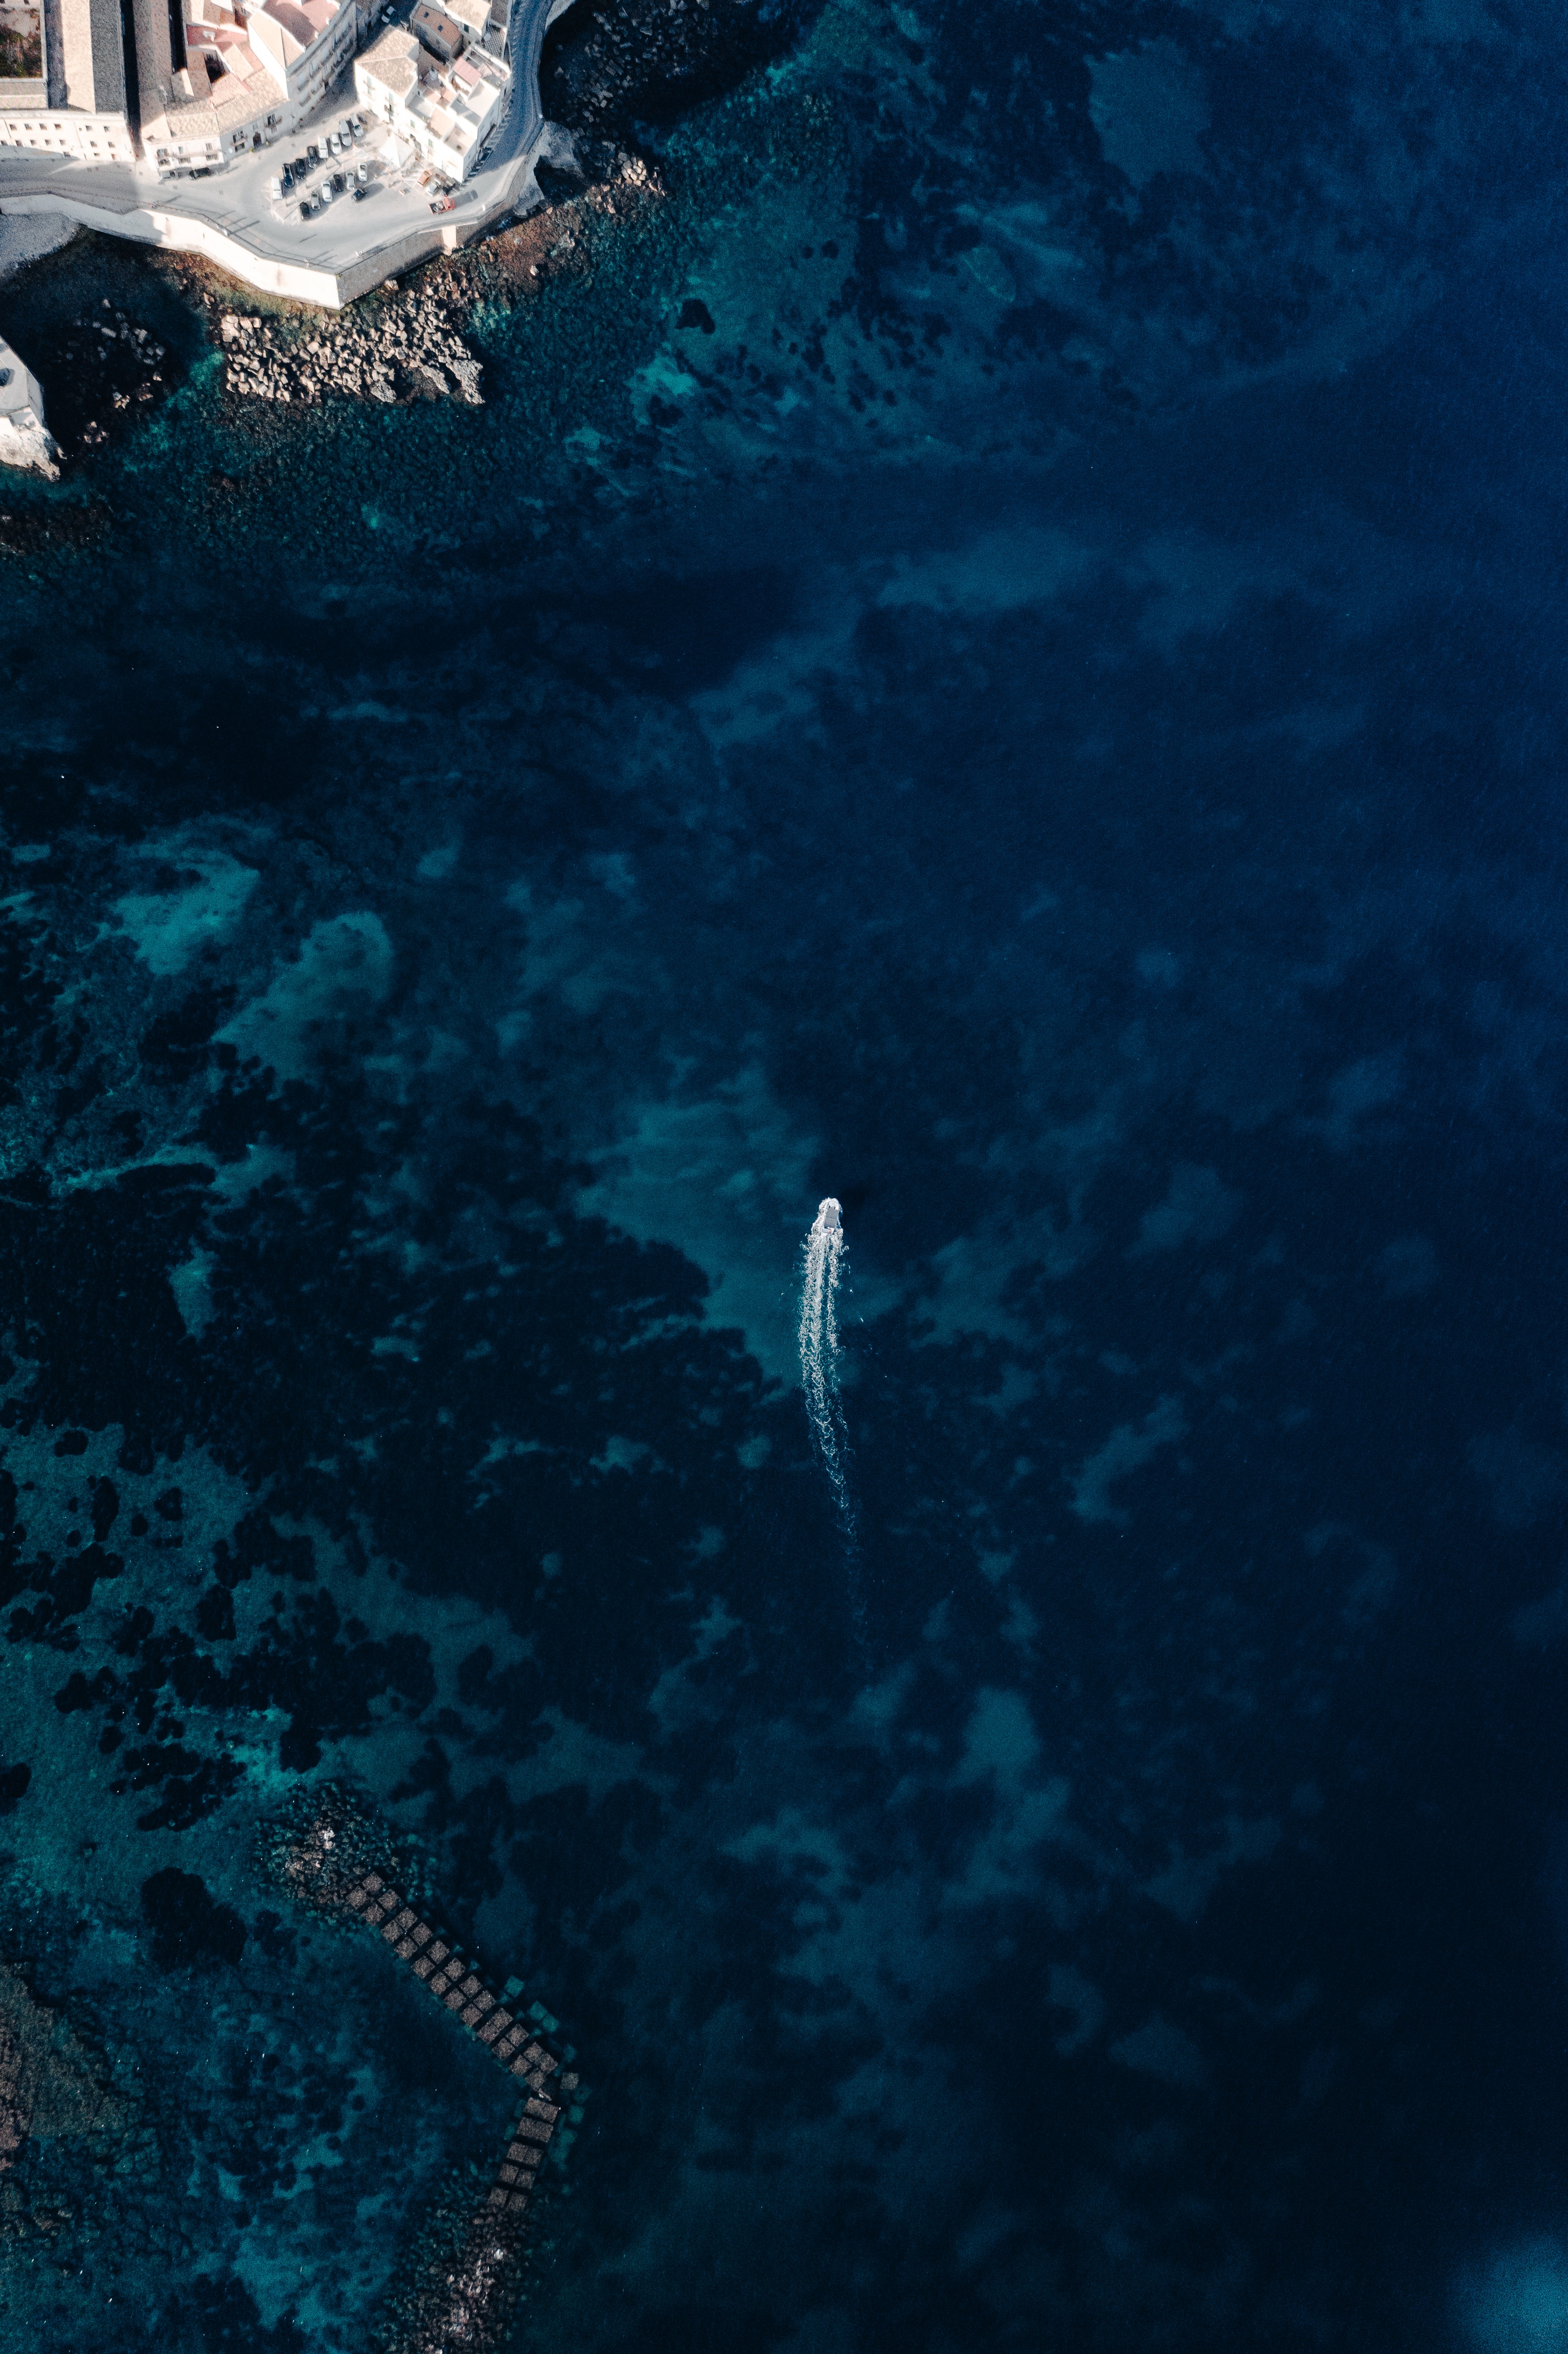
x: 408, y: 350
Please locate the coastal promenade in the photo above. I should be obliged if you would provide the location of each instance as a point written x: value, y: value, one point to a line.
x: 345, y: 252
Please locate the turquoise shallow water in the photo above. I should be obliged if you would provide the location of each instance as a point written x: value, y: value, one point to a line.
x: 993, y: 653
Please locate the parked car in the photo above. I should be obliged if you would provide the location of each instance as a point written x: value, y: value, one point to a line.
x: 275, y: 188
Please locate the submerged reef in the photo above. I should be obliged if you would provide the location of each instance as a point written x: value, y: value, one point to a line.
x: 462, y: 2280
x: 614, y: 68
x: 110, y: 365
x: 78, y: 2142
x: 49, y: 2086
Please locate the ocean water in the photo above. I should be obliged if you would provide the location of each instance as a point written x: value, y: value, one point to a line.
x: 995, y: 654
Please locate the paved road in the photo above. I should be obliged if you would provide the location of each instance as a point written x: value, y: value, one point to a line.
x: 235, y: 200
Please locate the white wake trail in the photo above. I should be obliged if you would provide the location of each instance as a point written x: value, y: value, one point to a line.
x: 824, y: 1261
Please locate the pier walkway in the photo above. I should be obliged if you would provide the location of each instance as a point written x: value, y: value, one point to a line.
x: 518, y: 2041
x: 460, y: 2286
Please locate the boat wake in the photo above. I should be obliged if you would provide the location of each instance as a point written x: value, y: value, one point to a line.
x: 824, y: 1261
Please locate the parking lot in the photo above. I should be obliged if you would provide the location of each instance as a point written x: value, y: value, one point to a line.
x: 399, y: 188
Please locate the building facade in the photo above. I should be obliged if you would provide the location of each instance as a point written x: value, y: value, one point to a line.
x: 28, y: 122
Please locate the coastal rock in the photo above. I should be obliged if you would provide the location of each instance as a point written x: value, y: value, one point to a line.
x: 403, y: 350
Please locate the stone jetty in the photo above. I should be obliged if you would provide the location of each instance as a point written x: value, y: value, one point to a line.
x: 465, y: 2297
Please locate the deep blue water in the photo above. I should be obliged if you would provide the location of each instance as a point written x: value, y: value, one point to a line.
x: 476, y: 881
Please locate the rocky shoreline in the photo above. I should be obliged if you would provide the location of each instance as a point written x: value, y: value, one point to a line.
x: 408, y: 350
x: 104, y: 367
x: 405, y: 344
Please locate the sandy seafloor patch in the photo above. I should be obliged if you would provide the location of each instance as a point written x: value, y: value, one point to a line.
x: 1045, y: 722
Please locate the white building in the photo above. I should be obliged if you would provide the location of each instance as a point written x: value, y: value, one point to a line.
x: 254, y: 72
x: 30, y: 121
x: 447, y: 109
x: 24, y: 439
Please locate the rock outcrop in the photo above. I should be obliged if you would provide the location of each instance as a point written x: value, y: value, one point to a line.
x: 402, y: 349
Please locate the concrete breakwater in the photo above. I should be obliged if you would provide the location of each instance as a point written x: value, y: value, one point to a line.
x: 462, y: 2294
x: 410, y: 349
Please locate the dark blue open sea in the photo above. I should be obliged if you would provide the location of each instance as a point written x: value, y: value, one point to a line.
x: 996, y: 652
